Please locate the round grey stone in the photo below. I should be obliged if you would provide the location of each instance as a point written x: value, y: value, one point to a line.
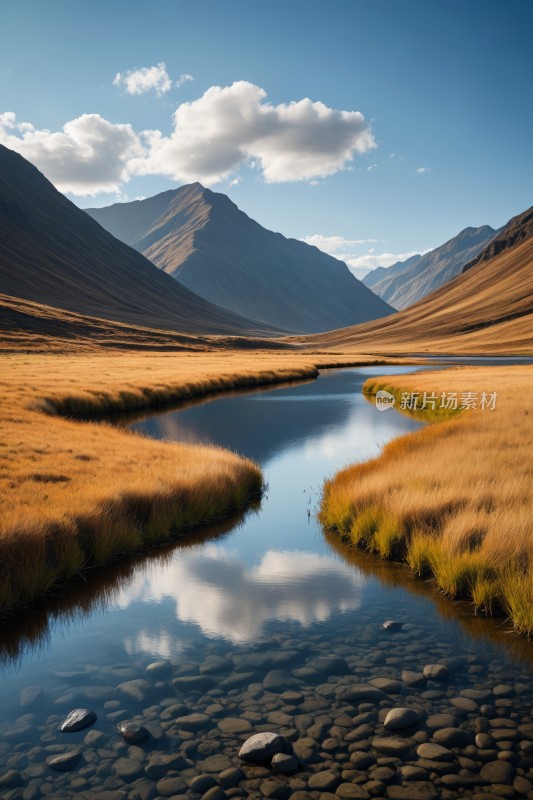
x: 324, y: 781
x: 262, y: 746
x: 497, y: 772
x: 78, y: 719
x: 451, y: 737
x: 64, y: 762
x: 284, y: 764
x: 132, y: 732
x: 399, y: 718
x: 436, y: 672
x: 434, y: 752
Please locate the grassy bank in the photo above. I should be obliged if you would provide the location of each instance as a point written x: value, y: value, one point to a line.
x: 77, y: 494
x: 454, y: 499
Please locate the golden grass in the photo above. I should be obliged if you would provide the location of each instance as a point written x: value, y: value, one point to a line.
x: 453, y: 499
x: 79, y: 494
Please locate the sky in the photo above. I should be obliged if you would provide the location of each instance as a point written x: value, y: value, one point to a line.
x: 371, y: 129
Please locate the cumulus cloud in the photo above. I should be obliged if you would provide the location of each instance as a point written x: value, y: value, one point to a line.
x: 88, y: 156
x: 146, y: 79
x: 183, y: 78
x: 213, y: 135
x: 343, y: 249
x: 371, y: 260
x: 423, y: 170
x: 211, y: 138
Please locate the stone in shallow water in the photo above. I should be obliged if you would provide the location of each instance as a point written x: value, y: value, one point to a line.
x: 434, y: 752
x: 31, y: 697
x: 347, y: 791
x: 436, y: 672
x: 134, y: 690
x: 284, y: 764
x: 234, y: 725
x: 161, y: 763
x: 262, y: 746
x: 230, y: 777
x: 324, y: 781
x: 132, y: 732
x: 158, y: 669
x: 190, y: 683
x: 64, y: 762
x: 391, y: 746
x: 392, y: 625
x: 399, y: 718
x: 279, y: 679
x: 497, y: 772
x: 359, y: 693
x: 78, y: 719
x: 11, y: 779
x: 193, y: 722
x: 411, y: 678
x: 413, y: 790
x: 331, y: 665
x: 451, y: 737
x: 387, y: 685
x: 275, y: 788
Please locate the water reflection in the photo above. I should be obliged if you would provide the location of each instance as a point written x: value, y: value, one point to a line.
x: 213, y: 588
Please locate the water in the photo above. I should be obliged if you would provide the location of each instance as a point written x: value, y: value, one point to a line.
x: 268, y: 589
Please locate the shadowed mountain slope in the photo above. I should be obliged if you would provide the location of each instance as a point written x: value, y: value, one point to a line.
x: 517, y: 229
x: 401, y: 287
x: 53, y: 253
x: 203, y: 240
x: 489, y: 308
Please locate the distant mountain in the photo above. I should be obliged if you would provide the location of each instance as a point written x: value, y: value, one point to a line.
x: 378, y: 274
x: 53, y: 253
x: 517, y: 229
x: 404, y: 286
x: 203, y: 240
x: 487, y: 309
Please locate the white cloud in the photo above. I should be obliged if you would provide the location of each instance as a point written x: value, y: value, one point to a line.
x: 183, y: 78
x: 341, y: 248
x: 231, y: 125
x: 90, y: 155
x: 146, y: 79
x: 372, y: 259
x: 423, y: 170
x: 211, y: 138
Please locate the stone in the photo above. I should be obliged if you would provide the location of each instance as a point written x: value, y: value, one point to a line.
x: 230, y: 777
x: 214, y: 793
x: 391, y: 745
x: 413, y: 790
x: 324, y: 781
x: 275, y: 788
x: 159, y: 669
x: 464, y: 704
x: 497, y: 772
x: 262, y: 746
x: 387, y: 685
x: 411, y: 678
x: 64, y: 762
x: 11, y: 779
x: 31, y: 698
x: 399, y: 718
x: 234, y: 725
x: 331, y: 665
x: 352, y: 790
x: 434, y: 752
x: 201, y: 784
x: 451, y: 737
x: 132, y: 732
x: 134, y: 690
x: 436, y: 672
x: 128, y: 769
x: 435, y: 721
x: 361, y: 760
x: 284, y: 764
x: 485, y: 741
x: 168, y: 787
x: 279, y: 679
x: 193, y: 722
x: 359, y: 693
x: 236, y: 679
x: 214, y: 763
x: 160, y: 763
x: 194, y: 683
x: 78, y: 719
x: 392, y: 625
x: 503, y: 690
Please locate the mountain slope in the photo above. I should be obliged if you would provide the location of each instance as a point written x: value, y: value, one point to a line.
x: 517, y: 229
x: 202, y: 239
x: 376, y: 276
x: 404, y: 287
x: 489, y: 308
x: 51, y: 252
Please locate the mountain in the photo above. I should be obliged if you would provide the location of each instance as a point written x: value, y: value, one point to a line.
x: 517, y: 229
x: 53, y: 253
x: 375, y: 276
x: 404, y: 286
x: 213, y: 248
x: 488, y: 309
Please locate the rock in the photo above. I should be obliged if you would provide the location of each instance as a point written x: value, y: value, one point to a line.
x: 93, y: 738
x: 413, y: 790
x: 78, y: 719
x: 352, y: 790
x: 361, y: 760
x: 324, y: 781
x: 168, y: 787
x: 193, y: 722
x: 11, y: 779
x: 237, y: 679
x: 214, y: 793
x: 451, y: 737
x: 201, y: 784
x: 411, y: 678
x: 485, y: 741
x: 497, y: 772
x: 436, y: 672
x: 230, y: 777
x: 193, y: 683
x: 279, y: 679
x: 387, y: 685
x: 31, y: 698
x: 435, y: 721
x: 392, y: 625
x: 360, y: 693
x: 215, y: 664
x: 503, y: 690
x: 128, y: 769
x: 275, y: 788
x: 214, y: 763
x: 64, y: 762
x: 262, y: 747
x: 159, y: 669
x: 391, y: 745
x: 331, y: 665
x: 161, y: 763
x: 132, y: 732
x: 284, y: 764
x: 434, y: 752
x: 464, y: 704
x: 134, y: 690
x: 399, y: 718
x: 234, y: 725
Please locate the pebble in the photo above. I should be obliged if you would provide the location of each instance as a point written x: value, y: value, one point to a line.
x: 399, y: 718
x: 359, y: 692
x: 262, y: 746
x: 78, y: 719
x: 284, y: 764
x: 132, y: 732
x: 64, y: 762
x: 392, y: 625
x: 412, y: 678
x: 434, y: 752
x: 436, y: 672
x: 31, y: 698
x: 497, y: 772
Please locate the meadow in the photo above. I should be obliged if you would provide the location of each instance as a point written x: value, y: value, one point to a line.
x: 452, y: 500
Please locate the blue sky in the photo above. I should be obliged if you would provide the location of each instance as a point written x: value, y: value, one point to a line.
x: 444, y: 88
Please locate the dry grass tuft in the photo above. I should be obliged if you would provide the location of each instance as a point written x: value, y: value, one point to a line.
x: 453, y: 499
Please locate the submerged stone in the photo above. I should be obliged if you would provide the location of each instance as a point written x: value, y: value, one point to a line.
x: 261, y: 747
x: 78, y: 719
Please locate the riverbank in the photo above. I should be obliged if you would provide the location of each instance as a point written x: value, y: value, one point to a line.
x: 452, y: 500
x: 77, y: 494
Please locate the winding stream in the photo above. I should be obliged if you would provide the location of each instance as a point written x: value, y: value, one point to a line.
x: 226, y: 606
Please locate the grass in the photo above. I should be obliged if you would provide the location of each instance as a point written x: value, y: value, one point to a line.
x: 78, y: 494
x: 453, y: 500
